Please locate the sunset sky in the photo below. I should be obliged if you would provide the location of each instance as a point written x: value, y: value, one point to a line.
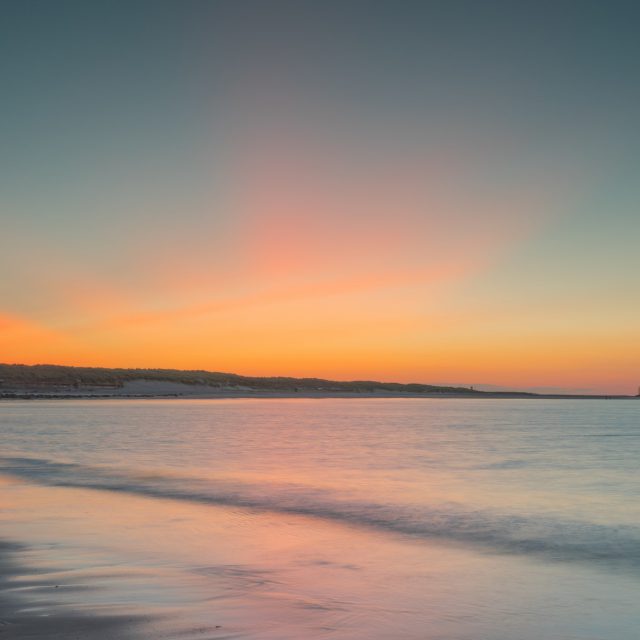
x: 441, y: 192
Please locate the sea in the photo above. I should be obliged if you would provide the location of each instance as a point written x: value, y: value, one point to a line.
x: 343, y: 518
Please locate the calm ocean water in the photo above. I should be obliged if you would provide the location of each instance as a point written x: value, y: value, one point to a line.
x: 365, y: 518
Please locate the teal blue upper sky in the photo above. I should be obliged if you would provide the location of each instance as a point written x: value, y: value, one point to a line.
x: 88, y: 84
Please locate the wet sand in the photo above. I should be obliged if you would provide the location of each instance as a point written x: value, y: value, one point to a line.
x: 30, y: 607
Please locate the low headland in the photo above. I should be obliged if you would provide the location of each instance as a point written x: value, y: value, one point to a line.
x: 44, y: 381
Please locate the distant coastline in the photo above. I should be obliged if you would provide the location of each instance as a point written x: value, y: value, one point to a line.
x: 52, y: 382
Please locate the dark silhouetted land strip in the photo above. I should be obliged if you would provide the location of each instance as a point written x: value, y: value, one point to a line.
x: 18, y: 381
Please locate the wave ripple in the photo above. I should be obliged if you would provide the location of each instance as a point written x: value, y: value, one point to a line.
x: 550, y: 537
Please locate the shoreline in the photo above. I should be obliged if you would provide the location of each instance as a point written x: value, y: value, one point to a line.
x: 309, y: 395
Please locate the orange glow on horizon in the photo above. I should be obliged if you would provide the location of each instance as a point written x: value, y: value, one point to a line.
x: 326, y: 271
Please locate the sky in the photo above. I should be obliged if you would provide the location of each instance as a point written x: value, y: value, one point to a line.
x: 413, y: 191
